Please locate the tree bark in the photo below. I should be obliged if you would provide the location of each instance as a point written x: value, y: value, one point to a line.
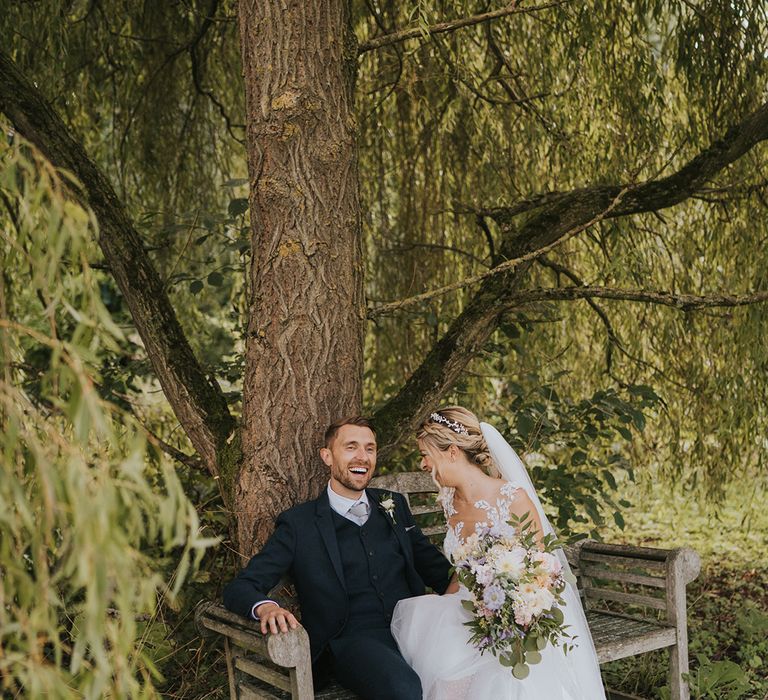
x: 197, y: 401
x: 304, y: 348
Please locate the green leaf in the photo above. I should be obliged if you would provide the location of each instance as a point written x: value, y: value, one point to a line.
x: 520, y: 671
x: 196, y: 286
x: 610, y: 479
x: 578, y: 458
x: 506, y: 660
x: 529, y: 644
x: 524, y: 425
x: 532, y: 657
x: 619, y: 519
x: 237, y: 206
x: 215, y: 279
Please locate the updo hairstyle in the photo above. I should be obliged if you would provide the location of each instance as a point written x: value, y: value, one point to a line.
x: 442, y: 435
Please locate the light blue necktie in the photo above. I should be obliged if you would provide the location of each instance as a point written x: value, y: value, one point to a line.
x: 360, y: 511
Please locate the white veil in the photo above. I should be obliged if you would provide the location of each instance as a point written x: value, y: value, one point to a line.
x: 583, y: 659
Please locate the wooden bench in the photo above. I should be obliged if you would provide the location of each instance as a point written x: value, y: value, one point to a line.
x: 634, y: 599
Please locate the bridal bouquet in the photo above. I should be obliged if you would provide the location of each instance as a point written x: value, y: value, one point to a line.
x: 515, y: 588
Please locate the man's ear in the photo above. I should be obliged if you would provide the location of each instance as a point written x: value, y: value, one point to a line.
x: 325, y: 455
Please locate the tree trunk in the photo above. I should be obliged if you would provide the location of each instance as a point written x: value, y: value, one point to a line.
x: 304, y: 348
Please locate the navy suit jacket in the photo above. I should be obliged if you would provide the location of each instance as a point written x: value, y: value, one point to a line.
x: 304, y: 547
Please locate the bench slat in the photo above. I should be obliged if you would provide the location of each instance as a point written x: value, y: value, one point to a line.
x: 424, y: 510
x: 659, y: 566
x: 434, y: 530
x: 633, y: 551
x: 629, y: 598
x: 263, y: 673
x: 623, y: 576
x: 246, y: 691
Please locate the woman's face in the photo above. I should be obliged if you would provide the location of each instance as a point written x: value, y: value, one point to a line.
x: 436, y: 462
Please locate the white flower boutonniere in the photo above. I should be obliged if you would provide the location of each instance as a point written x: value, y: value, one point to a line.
x: 387, y: 504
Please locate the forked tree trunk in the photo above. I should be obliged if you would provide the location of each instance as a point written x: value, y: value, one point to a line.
x: 304, y: 351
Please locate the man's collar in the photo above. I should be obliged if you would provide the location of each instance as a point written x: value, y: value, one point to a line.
x: 342, y: 504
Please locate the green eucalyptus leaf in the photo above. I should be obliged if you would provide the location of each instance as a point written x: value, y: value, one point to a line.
x: 520, y: 671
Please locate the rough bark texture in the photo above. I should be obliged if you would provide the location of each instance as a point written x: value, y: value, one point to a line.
x: 304, y: 349
x: 544, y: 221
x: 196, y: 400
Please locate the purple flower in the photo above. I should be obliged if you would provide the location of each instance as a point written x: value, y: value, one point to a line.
x: 494, y: 597
x: 483, y: 643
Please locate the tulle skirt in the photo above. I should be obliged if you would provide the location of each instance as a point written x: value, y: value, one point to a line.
x: 434, y: 640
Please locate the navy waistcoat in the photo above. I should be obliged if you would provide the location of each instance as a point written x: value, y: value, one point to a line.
x: 374, y: 570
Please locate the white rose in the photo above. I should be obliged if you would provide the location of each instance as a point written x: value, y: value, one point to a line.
x: 511, y: 563
x: 549, y: 562
x: 543, y: 599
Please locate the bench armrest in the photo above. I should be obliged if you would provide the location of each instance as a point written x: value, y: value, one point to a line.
x: 288, y: 650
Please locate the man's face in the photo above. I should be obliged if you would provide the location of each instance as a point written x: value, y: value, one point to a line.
x: 351, y: 459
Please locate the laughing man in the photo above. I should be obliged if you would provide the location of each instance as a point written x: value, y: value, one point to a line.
x: 352, y: 554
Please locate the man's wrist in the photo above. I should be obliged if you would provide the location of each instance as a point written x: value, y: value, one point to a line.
x: 256, y: 606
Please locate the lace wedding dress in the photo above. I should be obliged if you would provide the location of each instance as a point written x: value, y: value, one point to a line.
x: 434, y: 640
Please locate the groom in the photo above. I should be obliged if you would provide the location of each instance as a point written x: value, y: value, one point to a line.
x: 352, y: 555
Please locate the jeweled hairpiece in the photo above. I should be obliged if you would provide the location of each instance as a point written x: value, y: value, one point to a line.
x: 452, y: 424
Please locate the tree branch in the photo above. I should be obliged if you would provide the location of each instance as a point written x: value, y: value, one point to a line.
x: 506, y: 266
x: 684, y: 302
x: 547, y: 220
x: 654, y: 195
x: 175, y: 453
x: 443, y: 27
x: 198, y: 402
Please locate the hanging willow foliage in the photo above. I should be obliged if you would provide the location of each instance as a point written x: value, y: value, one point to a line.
x: 86, y: 507
x: 567, y: 96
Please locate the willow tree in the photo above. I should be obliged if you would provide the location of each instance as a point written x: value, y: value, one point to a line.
x: 554, y: 149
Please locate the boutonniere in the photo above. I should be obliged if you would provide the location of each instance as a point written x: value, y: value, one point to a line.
x: 387, y: 504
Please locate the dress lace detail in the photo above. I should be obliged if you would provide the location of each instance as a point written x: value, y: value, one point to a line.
x: 496, y: 515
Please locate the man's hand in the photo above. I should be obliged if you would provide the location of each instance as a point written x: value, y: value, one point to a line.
x: 275, y: 619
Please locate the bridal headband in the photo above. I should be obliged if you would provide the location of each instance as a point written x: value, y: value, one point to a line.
x: 455, y: 426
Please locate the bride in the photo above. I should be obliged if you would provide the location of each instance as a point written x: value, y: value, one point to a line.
x: 462, y: 454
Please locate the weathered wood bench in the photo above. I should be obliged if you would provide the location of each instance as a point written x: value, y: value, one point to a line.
x: 634, y: 599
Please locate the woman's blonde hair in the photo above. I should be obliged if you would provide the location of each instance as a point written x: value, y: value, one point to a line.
x: 456, y: 425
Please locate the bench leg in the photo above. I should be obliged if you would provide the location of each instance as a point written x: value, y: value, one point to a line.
x: 230, y: 669
x: 678, y: 665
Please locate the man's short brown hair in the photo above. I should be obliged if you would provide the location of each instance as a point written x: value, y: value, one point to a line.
x: 333, y: 428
